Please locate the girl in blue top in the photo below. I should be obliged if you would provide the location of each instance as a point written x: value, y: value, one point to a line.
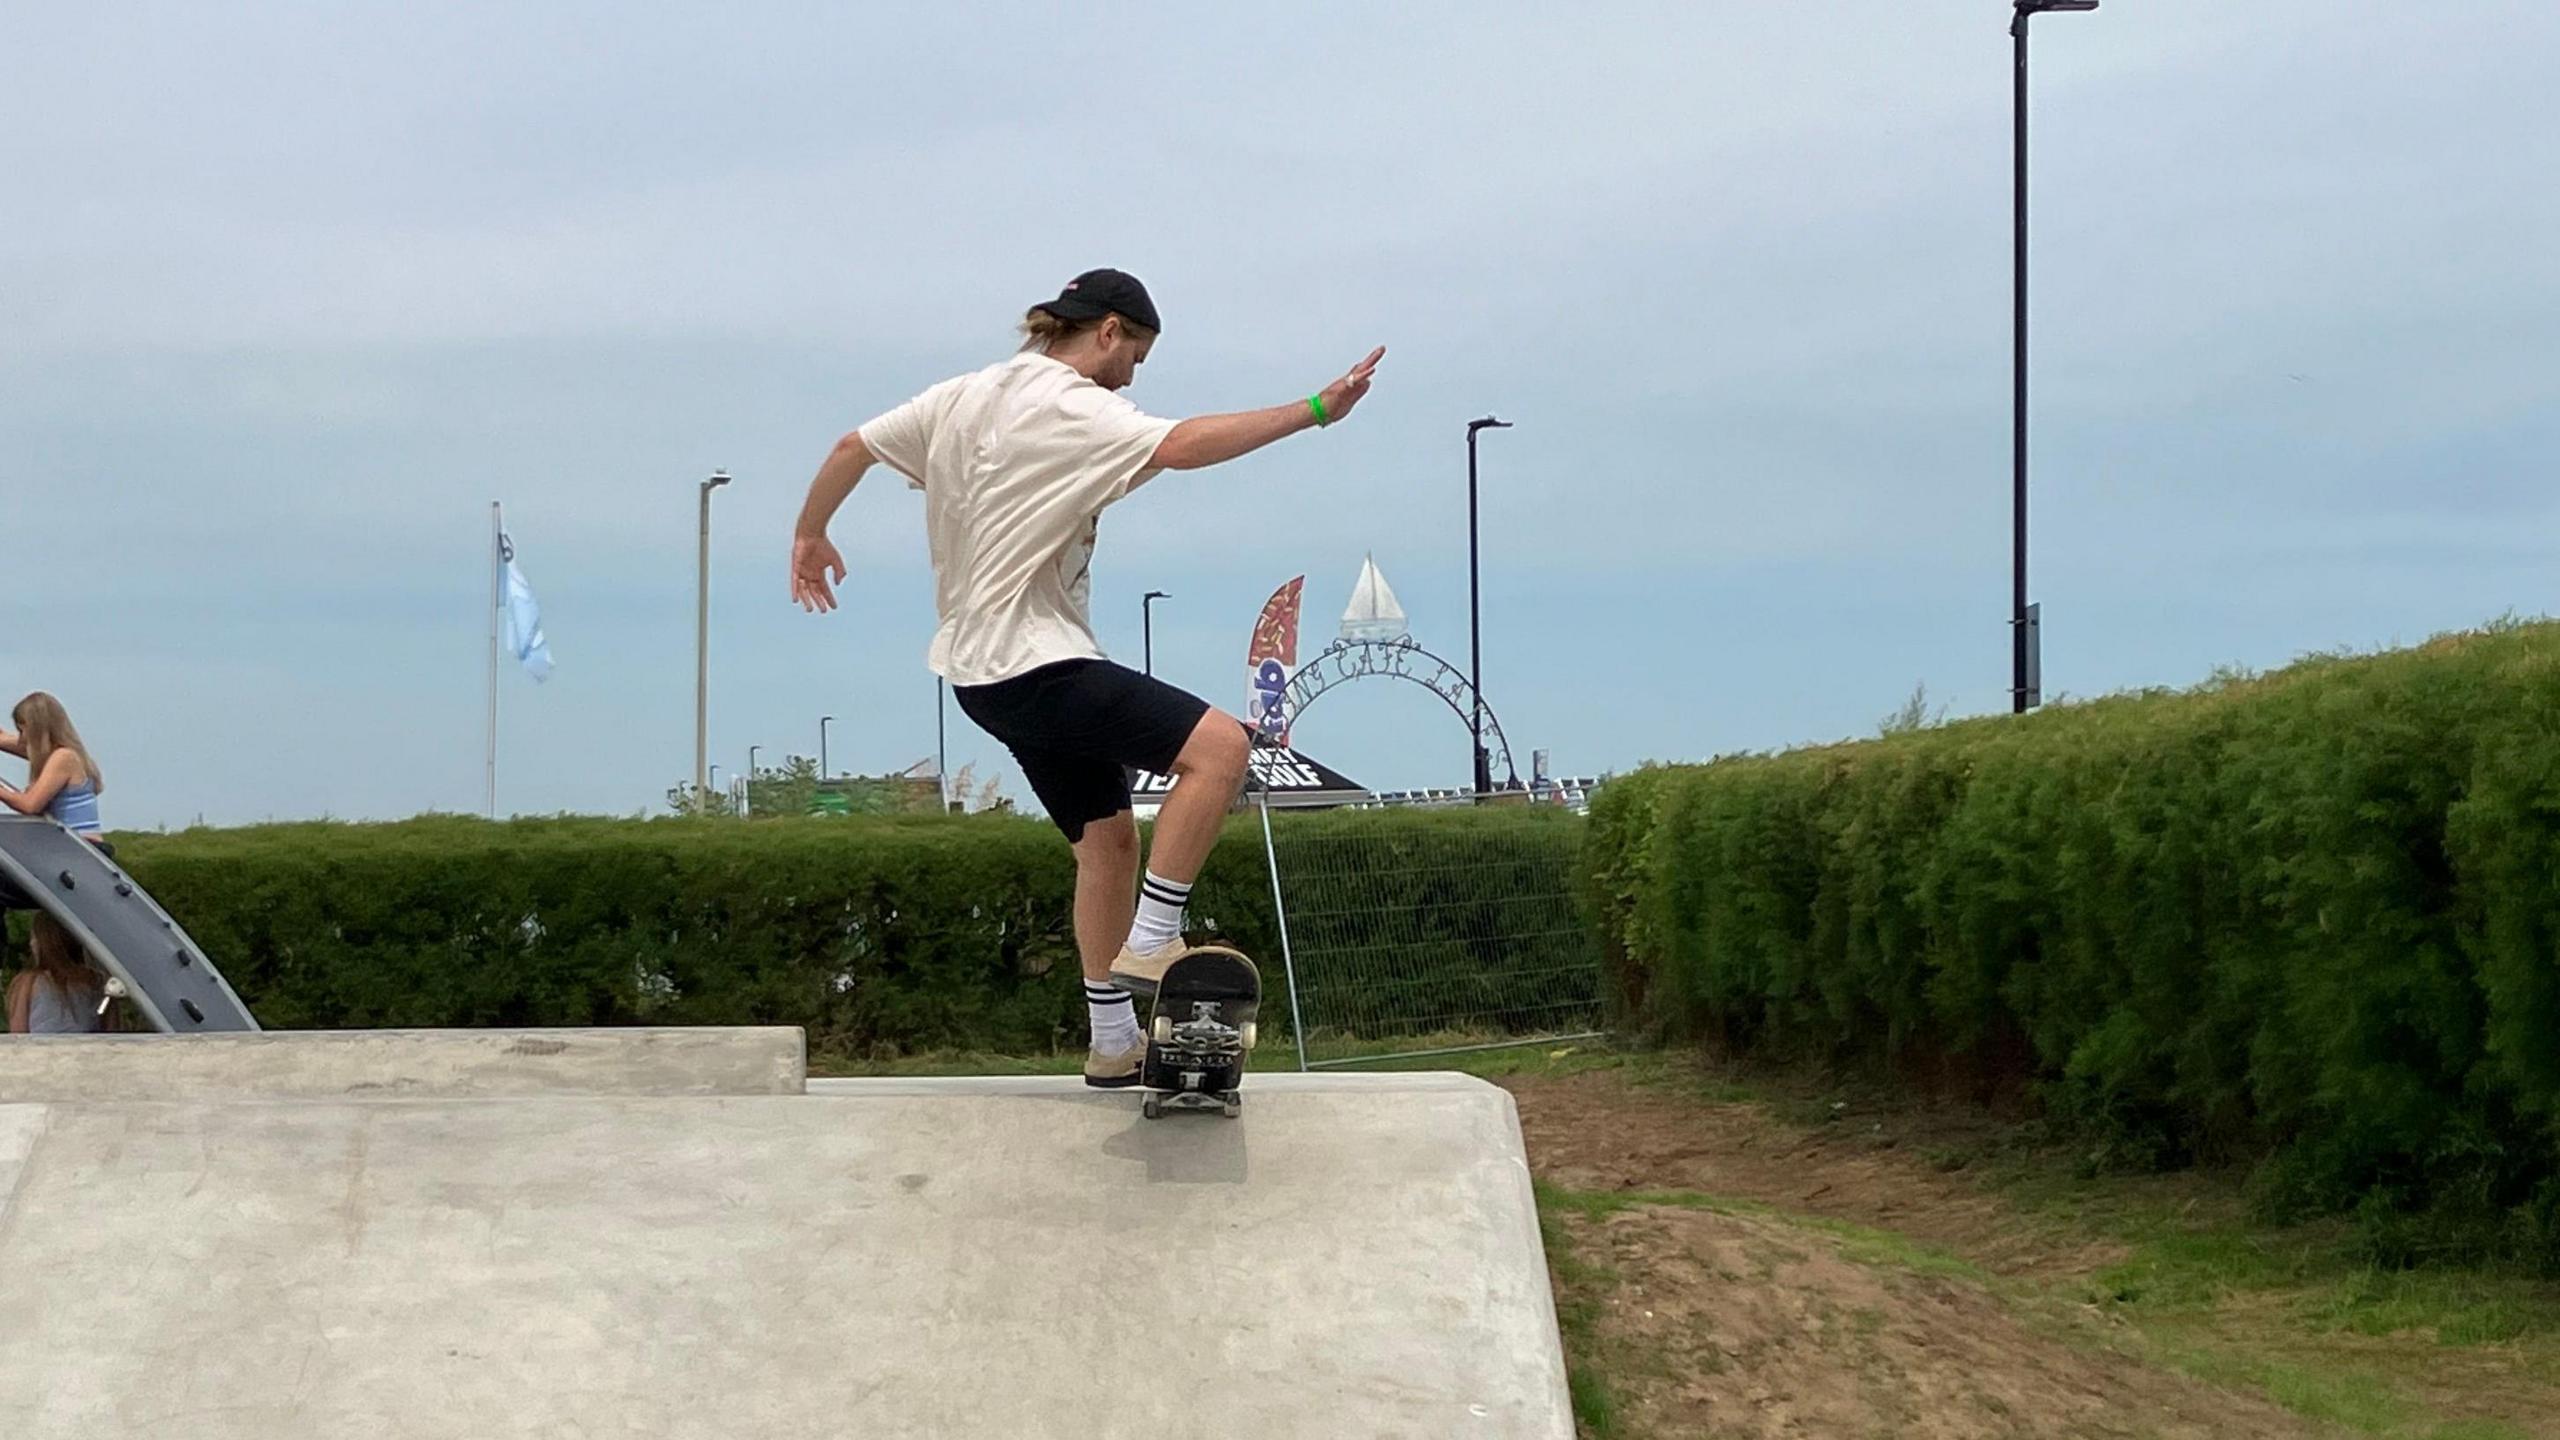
x: 62, y: 781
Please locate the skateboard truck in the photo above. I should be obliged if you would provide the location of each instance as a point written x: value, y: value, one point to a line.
x: 1200, y: 1034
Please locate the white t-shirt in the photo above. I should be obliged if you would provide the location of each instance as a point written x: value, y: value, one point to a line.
x: 1016, y: 463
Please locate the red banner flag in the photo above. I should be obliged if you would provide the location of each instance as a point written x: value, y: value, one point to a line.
x: 1269, y: 662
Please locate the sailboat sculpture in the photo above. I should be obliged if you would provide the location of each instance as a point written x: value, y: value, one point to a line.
x: 1373, y: 613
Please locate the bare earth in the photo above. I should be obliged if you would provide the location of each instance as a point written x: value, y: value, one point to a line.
x: 1749, y: 1324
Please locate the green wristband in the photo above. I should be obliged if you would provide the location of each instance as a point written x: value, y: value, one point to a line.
x: 1316, y: 403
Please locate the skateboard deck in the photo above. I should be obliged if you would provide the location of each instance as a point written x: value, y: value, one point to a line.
x: 1200, y: 1032
x: 149, y: 961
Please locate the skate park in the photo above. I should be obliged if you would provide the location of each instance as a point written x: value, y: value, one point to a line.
x: 1915, y: 788
x: 675, y: 1231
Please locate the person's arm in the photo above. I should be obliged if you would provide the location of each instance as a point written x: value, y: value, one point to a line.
x: 13, y: 743
x: 816, y: 566
x: 38, y: 796
x: 21, y: 988
x: 1206, y: 440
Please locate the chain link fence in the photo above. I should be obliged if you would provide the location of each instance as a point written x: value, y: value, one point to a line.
x: 1410, y: 928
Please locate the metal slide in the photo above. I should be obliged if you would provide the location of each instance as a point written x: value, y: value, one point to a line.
x: 162, y: 972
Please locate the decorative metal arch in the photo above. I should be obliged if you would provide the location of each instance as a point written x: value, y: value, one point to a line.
x: 1356, y: 659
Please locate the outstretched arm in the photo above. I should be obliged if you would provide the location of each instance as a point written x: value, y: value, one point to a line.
x: 1215, y: 439
x: 42, y: 788
x: 13, y: 743
x: 815, y: 562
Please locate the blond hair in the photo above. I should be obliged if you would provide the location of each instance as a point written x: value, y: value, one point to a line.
x: 44, y: 727
x: 1042, y: 331
x: 54, y: 953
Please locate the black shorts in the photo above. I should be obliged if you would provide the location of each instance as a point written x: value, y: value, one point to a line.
x: 1077, y: 727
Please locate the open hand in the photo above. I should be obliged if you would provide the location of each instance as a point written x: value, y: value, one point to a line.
x: 1344, y: 393
x: 814, y: 562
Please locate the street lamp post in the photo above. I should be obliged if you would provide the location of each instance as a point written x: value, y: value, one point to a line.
x: 751, y: 776
x: 823, y: 722
x: 1475, y: 609
x: 702, y: 642
x: 1147, y: 611
x: 2021, y: 693
x: 941, y: 747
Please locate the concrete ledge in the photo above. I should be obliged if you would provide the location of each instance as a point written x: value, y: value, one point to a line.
x: 401, y: 1064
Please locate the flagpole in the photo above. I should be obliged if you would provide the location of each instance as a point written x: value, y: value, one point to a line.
x: 497, y: 590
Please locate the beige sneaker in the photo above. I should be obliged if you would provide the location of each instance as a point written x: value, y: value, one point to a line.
x: 1114, y: 1072
x: 1141, y: 974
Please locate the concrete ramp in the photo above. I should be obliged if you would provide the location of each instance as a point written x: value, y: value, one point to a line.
x: 404, y: 1064
x: 1356, y: 1256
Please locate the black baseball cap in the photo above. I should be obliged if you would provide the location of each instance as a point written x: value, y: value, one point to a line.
x: 1097, y: 293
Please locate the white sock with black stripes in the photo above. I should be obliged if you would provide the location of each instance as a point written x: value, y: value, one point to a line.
x: 1114, y: 1017
x: 1160, y: 903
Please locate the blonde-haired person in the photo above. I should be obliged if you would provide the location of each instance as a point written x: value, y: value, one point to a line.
x: 62, y: 780
x: 59, y: 992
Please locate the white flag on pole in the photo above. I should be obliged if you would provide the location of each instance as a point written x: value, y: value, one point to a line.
x: 524, y: 618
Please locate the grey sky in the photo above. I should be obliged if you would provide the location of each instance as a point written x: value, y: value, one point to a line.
x: 291, y: 292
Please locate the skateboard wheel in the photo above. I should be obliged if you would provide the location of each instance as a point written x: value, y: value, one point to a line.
x: 1162, y: 1029
x: 1245, y: 1037
x: 1152, y: 1107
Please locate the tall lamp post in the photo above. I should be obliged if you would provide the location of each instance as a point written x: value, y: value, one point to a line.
x: 702, y: 642
x: 2024, y: 660
x: 1475, y: 609
x: 1147, y: 612
x: 823, y: 722
x: 751, y: 777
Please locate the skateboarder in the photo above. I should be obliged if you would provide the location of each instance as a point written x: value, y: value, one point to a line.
x: 1017, y: 462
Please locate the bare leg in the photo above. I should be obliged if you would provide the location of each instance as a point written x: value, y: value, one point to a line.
x: 1207, y: 777
x: 1106, y: 892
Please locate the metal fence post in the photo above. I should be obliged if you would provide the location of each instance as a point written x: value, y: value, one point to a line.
x: 1280, y: 911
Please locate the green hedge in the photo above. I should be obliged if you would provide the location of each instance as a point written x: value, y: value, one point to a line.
x: 879, y: 935
x: 2313, y: 915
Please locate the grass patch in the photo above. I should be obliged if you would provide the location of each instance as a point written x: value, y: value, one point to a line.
x: 2362, y: 1403
x: 2457, y: 1307
x: 2184, y: 1266
x: 1579, y: 1284
x: 1865, y: 1246
x: 1509, y: 1058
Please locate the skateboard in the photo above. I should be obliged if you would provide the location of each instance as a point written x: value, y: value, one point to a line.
x: 1201, y: 1030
